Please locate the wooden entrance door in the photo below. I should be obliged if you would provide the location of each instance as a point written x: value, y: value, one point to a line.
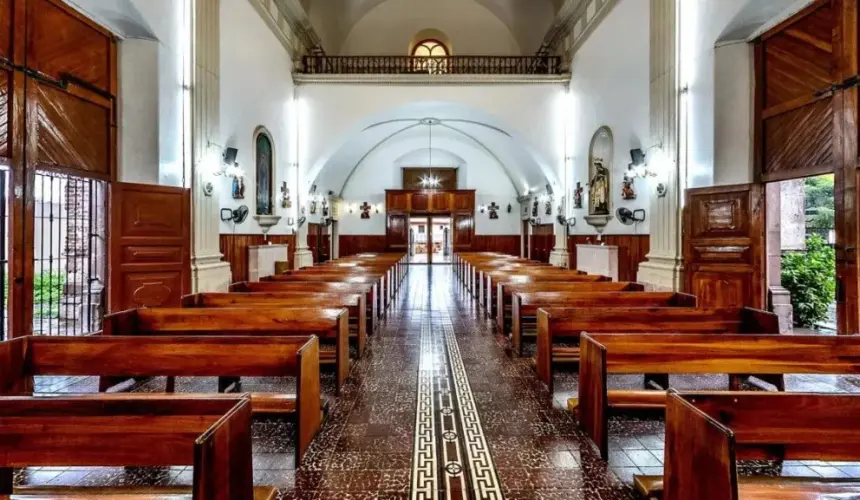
x: 150, y: 245
x: 542, y: 242
x: 397, y: 232
x: 724, y: 246
x: 807, y: 122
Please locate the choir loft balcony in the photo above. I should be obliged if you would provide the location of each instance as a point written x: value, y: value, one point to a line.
x: 435, y: 66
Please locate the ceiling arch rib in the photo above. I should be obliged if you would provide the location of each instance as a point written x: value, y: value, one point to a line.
x: 413, y: 123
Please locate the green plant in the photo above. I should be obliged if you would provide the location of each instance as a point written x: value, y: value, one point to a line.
x: 47, y: 291
x: 810, y: 276
x: 819, y: 202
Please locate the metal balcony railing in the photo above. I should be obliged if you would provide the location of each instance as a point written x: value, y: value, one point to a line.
x: 413, y: 65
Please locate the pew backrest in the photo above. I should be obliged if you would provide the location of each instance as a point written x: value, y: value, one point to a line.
x: 213, y: 435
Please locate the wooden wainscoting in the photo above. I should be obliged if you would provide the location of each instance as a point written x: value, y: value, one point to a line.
x: 351, y: 244
x: 506, y: 243
x: 632, y: 250
x: 235, y: 250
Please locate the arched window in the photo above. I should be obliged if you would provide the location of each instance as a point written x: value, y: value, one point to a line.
x: 264, y: 157
x: 427, y: 52
x: 430, y: 48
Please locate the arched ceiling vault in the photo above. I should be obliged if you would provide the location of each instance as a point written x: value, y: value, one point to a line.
x: 459, y: 127
x: 528, y: 20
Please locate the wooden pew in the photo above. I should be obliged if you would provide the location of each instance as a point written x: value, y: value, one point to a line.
x: 707, y: 433
x: 368, y: 291
x: 119, y: 358
x: 212, y: 435
x: 358, y: 279
x: 568, y: 323
x: 354, y: 304
x: 385, y: 279
x: 505, y: 291
x: 489, y: 288
x: 524, y: 306
x: 765, y: 356
x: 330, y: 325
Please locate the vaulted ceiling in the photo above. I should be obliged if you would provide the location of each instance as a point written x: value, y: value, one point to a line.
x: 527, y: 20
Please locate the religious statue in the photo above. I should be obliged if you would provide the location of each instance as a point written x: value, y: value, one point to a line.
x: 627, y: 191
x: 598, y: 189
x: 238, y: 187
x: 286, y: 202
x: 577, y: 196
x: 535, y: 208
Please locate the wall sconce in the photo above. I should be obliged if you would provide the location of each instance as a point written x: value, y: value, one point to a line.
x: 628, y: 218
x: 377, y: 207
x: 226, y: 167
x: 482, y: 208
x: 639, y: 168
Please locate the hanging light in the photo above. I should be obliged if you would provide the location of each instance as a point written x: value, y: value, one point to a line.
x: 430, y: 181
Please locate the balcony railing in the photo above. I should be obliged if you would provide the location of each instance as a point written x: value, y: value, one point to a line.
x: 412, y: 65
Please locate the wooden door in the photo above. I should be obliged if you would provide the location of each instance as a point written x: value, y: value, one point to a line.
x: 464, y: 231
x: 397, y: 233
x: 542, y: 242
x: 724, y: 246
x: 150, y: 245
x: 797, y: 66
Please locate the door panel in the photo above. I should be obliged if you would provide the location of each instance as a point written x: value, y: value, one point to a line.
x: 724, y: 252
x: 464, y: 231
x: 797, y: 63
x: 150, y: 240
x: 441, y: 202
x: 398, y: 232
x: 62, y: 44
x: 70, y: 132
x: 397, y: 202
x: 420, y: 202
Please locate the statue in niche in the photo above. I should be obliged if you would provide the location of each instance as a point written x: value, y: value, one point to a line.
x: 264, y: 156
x: 286, y: 202
x: 577, y: 196
x: 598, y: 189
x: 599, y: 165
x: 535, y: 208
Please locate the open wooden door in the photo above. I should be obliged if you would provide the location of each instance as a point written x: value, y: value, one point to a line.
x: 150, y: 245
x: 724, y: 253
x: 397, y: 233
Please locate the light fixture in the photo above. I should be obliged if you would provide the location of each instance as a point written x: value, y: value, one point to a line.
x: 483, y: 208
x: 430, y: 181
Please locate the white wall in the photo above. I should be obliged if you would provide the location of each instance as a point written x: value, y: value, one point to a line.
x: 733, y: 114
x: 381, y: 170
x: 389, y: 28
x: 150, y: 98
x: 256, y: 89
x: 331, y: 115
x: 610, y: 86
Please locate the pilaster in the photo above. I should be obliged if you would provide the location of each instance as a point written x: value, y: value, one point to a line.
x: 560, y: 256
x: 665, y: 266
x: 303, y: 257
x: 208, y: 271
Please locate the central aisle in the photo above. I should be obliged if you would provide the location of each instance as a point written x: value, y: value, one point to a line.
x: 438, y: 409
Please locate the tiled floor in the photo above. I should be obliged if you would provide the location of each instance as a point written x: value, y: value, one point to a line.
x: 437, y: 366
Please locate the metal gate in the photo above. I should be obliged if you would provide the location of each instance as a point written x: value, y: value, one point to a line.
x: 69, y: 259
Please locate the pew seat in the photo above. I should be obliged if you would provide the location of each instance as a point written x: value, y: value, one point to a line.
x: 211, y: 434
x: 707, y: 433
x: 764, y: 487
x: 108, y: 357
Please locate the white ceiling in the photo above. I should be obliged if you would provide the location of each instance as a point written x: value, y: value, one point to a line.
x: 528, y: 20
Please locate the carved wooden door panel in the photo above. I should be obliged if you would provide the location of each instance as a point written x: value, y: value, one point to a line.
x: 398, y: 232
x: 150, y: 245
x: 464, y: 231
x: 724, y: 254
x: 420, y: 202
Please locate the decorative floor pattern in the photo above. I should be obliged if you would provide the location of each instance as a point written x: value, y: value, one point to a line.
x: 425, y: 473
x: 367, y: 448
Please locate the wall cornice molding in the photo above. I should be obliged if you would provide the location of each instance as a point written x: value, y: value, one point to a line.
x: 574, y: 22
x: 374, y: 79
x: 280, y: 26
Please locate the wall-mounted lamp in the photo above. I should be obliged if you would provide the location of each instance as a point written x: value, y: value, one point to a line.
x: 638, y: 168
x: 482, y: 208
x: 226, y: 167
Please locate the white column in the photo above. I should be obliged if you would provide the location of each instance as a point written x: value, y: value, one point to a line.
x: 208, y: 271
x: 303, y: 256
x: 560, y: 256
x: 664, y: 268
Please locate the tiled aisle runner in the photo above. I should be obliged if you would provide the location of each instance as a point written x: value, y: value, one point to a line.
x: 482, y: 472
x: 446, y: 419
